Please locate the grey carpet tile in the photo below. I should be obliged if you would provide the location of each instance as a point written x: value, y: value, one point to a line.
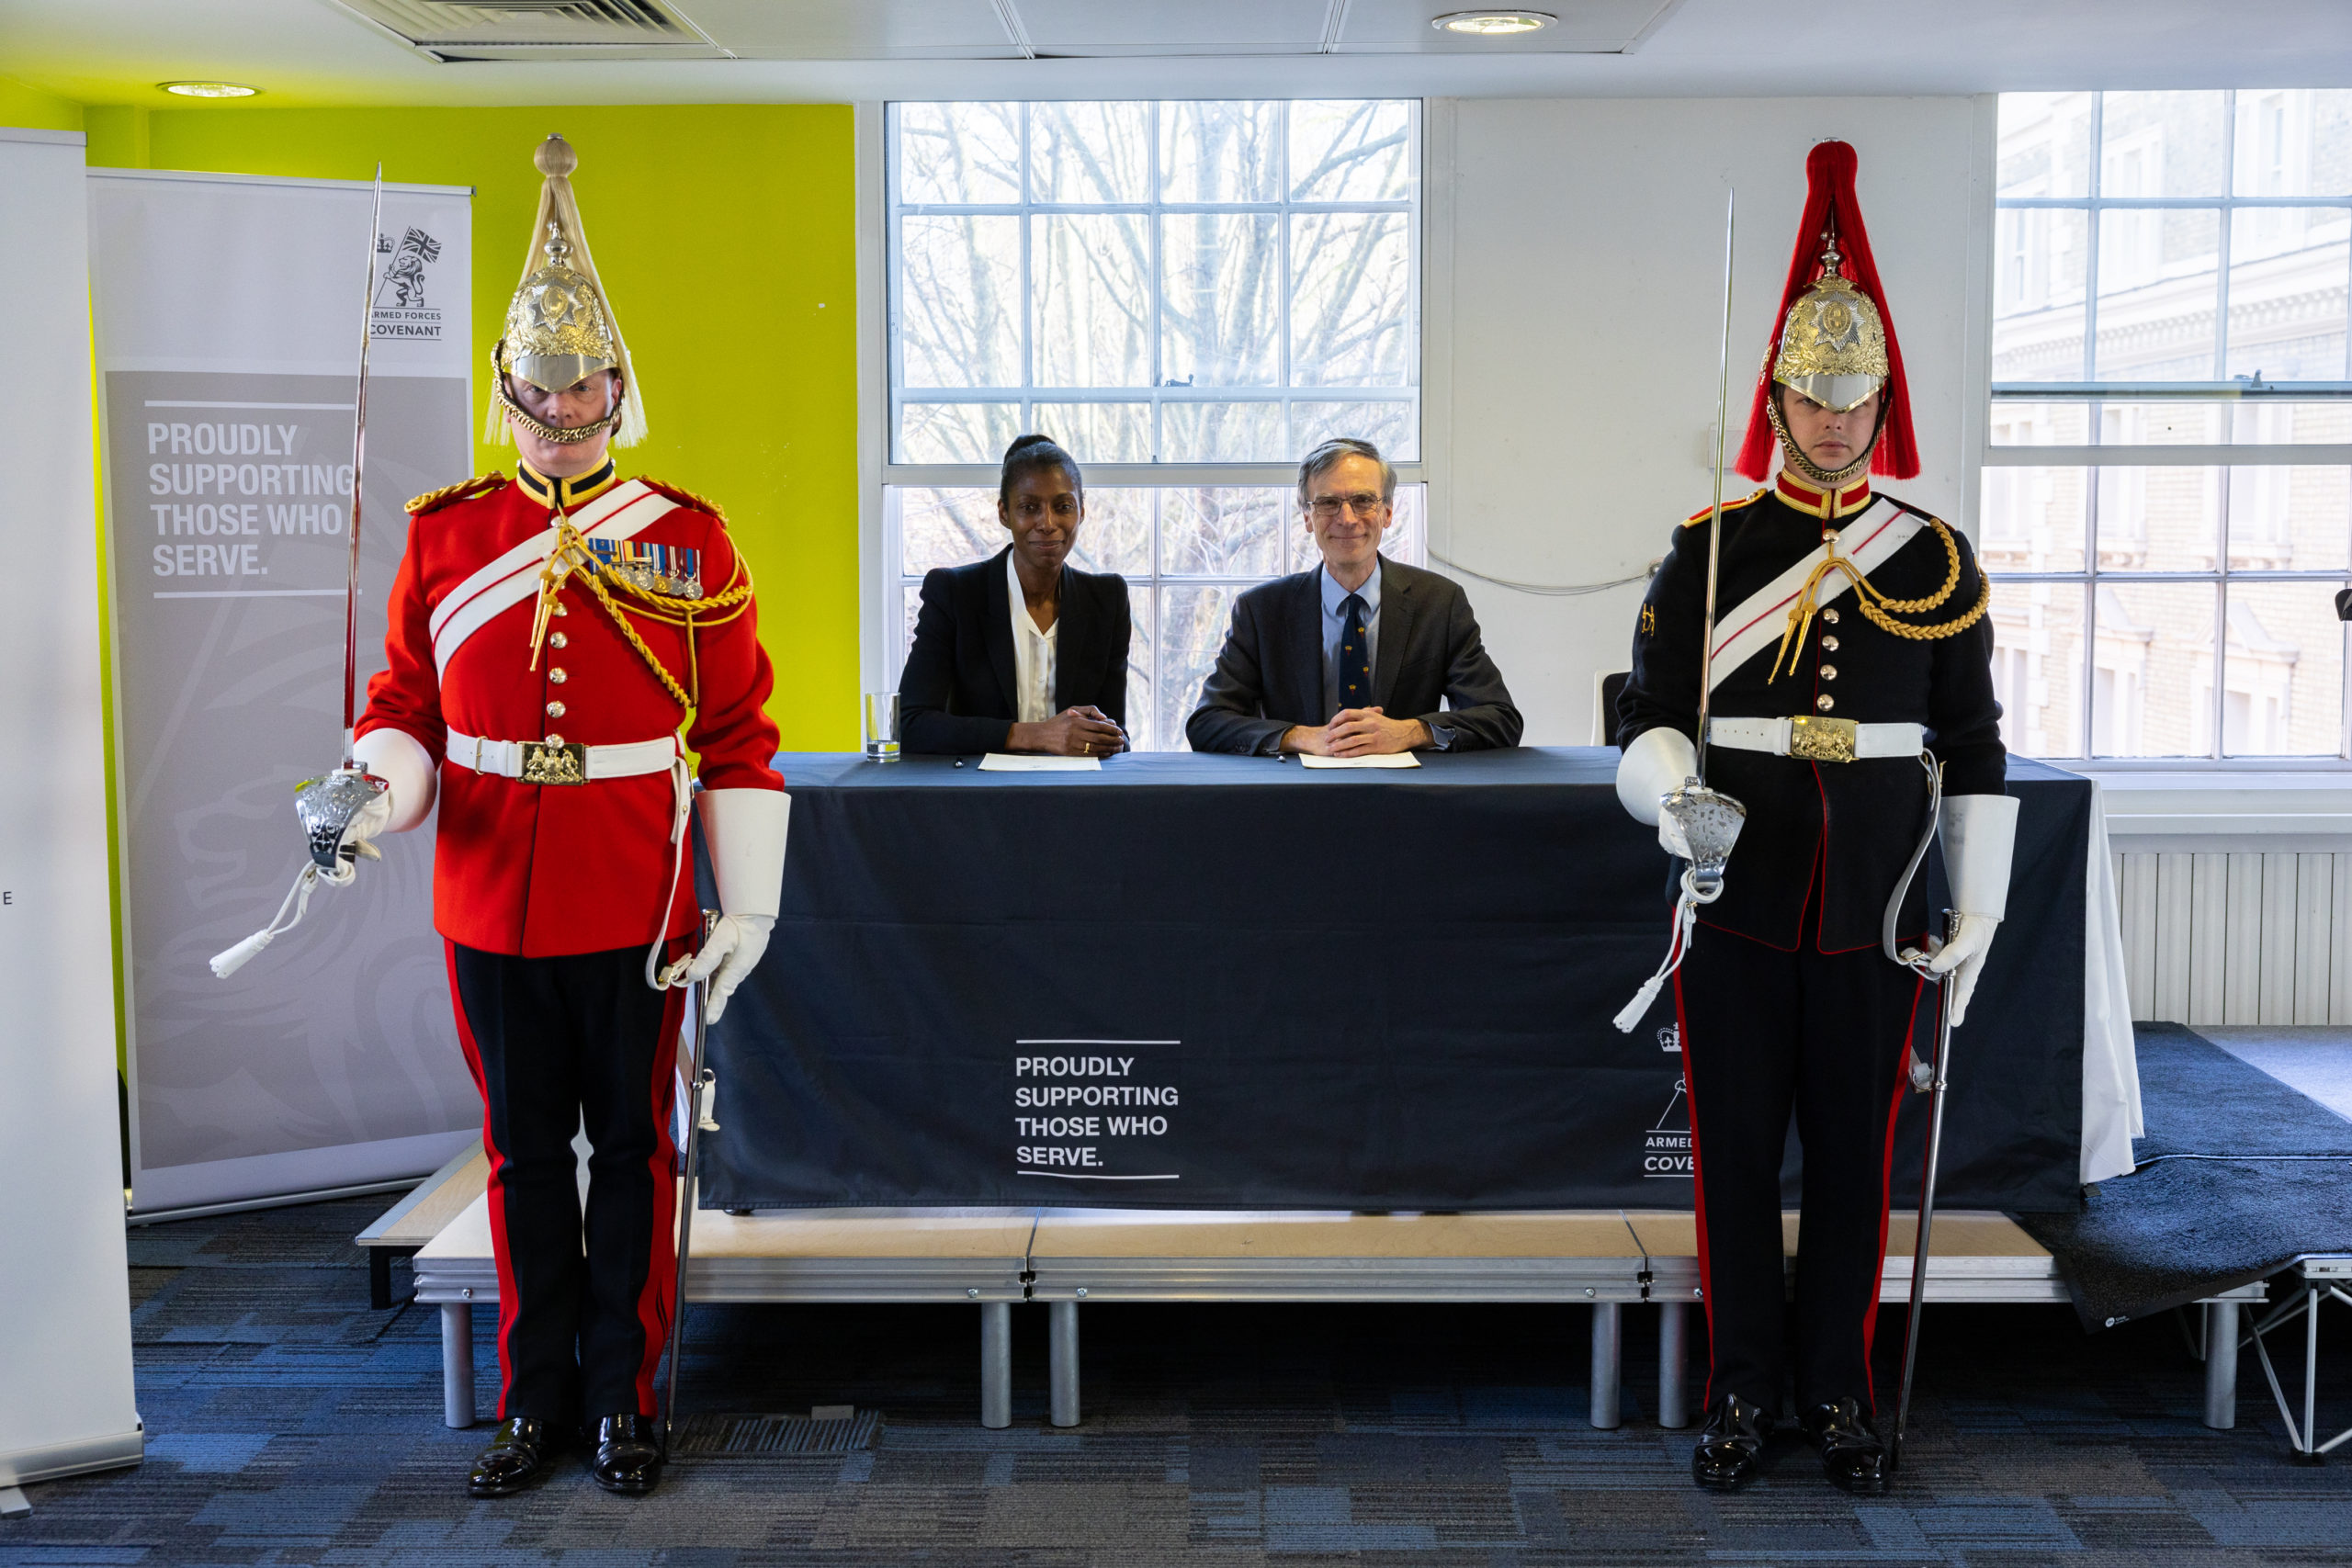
x: 289, y: 1424
x: 2315, y: 1059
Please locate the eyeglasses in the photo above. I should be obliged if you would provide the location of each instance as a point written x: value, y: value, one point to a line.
x: 1326, y: 508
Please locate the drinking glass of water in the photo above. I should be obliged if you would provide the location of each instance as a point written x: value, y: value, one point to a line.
x: 881, y: 727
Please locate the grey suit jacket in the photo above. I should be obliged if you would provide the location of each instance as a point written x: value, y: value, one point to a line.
x: 1270, y: 674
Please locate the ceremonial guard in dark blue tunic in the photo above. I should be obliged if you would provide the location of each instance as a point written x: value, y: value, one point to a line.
x: 1851, y: 660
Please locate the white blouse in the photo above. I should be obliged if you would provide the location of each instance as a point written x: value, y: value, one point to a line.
x: 1033, y: 653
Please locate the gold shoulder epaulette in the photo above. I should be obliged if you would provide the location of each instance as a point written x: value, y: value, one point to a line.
x: 434, y: 499
x: 686, y: 497
x: 1729, y: 505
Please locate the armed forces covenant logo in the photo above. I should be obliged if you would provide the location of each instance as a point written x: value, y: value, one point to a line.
x: 404, y: 268
x: 1666, y: 1146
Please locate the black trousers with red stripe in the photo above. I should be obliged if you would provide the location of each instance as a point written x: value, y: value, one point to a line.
x: 554, y: 1044
x: 1765, y: 1033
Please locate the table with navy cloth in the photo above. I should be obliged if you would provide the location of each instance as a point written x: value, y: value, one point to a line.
x: 1205, y: 982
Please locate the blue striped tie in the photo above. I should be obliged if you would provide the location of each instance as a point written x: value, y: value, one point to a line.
x: 1355, y: 656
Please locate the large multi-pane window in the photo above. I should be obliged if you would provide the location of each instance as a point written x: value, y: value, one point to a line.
x: 1187, y: 296
x: 2167, y: 496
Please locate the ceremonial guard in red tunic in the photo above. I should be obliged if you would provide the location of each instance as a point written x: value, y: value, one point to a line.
x: 1851, y: 660
x: 562, y: 648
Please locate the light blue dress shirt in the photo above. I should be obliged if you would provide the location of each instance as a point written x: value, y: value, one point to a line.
x: 1335, y: 624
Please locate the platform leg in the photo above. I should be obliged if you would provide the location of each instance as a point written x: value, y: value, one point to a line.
x: 1608, y: 1336
x: 2220, y: 1365
x: 379, y: 1279
x: 1673, y: 1364
x: 457, y: 1363
x: 13, y: 1505
x: 1062, y: 1324
x: 2311, y: 1372
x: 996, y: 1364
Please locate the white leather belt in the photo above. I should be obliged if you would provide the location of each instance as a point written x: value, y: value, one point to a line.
x: 1818, y: 739
x: 563, y: 762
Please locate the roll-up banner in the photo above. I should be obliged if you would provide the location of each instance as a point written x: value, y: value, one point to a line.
x: 227, y: 317
x: 65, y: 1384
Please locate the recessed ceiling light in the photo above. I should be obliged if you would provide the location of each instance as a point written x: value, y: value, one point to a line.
x: 209, y: 89
x: 1494, y: 24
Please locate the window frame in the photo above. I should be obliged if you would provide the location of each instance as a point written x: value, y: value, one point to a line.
x: 890, y: 577
x: 2222, y: 393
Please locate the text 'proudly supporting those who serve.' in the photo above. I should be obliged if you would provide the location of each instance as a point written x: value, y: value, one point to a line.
x: 1091, y: 1110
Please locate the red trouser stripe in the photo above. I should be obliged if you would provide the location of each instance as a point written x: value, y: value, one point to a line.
x: 1886, y: 1199
x: 654, y: 1304
x: 509, y: 1298
x: 1697, y: 1188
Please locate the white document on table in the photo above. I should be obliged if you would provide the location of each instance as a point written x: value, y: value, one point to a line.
x: 1006, y: 762
x: 1383, y: 760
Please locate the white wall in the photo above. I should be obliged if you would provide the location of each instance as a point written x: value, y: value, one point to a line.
x: 1574, y: 300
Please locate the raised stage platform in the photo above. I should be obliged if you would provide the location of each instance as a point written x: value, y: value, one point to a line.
x: 997, y: 1258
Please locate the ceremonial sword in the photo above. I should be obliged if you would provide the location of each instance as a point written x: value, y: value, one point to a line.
x: 1936, y: 1070
x: 1716, y: 510
x: 327, y: 807
x: 1695, y: 823
x: 698, y: 1121
x: 359, y: 467
x: 1706, y: 820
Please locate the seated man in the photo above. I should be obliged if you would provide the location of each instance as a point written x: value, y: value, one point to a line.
x: 1319, y: 661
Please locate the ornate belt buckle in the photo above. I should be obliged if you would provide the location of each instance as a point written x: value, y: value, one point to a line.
x: 1823, y: 739
x: 552, y: 762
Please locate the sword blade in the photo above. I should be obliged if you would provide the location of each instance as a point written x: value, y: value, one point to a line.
x: 699, y: 1055
x: 358, y: 469
x: 1715, y: 514
x: 1920, y: 1243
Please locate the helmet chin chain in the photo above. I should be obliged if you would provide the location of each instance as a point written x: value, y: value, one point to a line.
x: 1811, y: 472
x: 560, y: 435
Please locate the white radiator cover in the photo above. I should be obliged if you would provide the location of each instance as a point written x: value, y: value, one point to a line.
x: 2237, y: 937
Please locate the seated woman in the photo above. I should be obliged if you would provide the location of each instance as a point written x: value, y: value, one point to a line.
x: 1021, y: 652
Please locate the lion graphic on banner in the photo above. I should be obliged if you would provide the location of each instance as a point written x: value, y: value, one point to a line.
x: 404, y: 285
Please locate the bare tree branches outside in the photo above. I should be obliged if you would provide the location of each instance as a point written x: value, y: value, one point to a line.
x: 1153, y: 285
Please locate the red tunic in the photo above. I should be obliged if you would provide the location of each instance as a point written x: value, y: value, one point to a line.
x: 543, y: 870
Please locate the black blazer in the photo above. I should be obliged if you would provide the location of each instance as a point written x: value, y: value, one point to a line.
x: 1269, y: 676
x: 1848, y: 828
x: 957, y: 693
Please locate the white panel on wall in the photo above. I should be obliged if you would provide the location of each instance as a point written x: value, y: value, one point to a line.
x: 2339, y: 926
x: 2314, y: 903
x: 2173, y: 970
x: 2209, y: 929
x: 2135, y: 879
x: 1575, y: 309
x: 2238, y: 938
x: 2274, y: 964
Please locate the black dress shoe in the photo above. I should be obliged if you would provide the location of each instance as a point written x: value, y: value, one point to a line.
x: 1851, y: 1455
x: 628, y: 1454
x: 1730, y: 1445
x: 518, y: 1455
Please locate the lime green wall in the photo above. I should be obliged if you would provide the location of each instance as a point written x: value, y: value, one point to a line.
x: 727, y: 236
x: 33, y: 109
x: 118, y: 134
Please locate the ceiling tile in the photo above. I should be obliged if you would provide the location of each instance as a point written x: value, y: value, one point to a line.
x: 1195, y: 27
x: 854, y: 30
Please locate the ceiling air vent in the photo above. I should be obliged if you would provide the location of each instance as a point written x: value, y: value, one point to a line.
x: 537, y: 29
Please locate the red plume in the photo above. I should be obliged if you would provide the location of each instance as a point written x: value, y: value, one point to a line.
x: 1829, y: 195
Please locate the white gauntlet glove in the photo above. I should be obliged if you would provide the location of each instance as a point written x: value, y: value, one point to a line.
x: 1657, y: 763
x: 744, y: 830
x: 396, y: 757
x: 1979, y: 834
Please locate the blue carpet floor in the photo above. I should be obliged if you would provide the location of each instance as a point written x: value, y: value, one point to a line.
x: 289, y: 1424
